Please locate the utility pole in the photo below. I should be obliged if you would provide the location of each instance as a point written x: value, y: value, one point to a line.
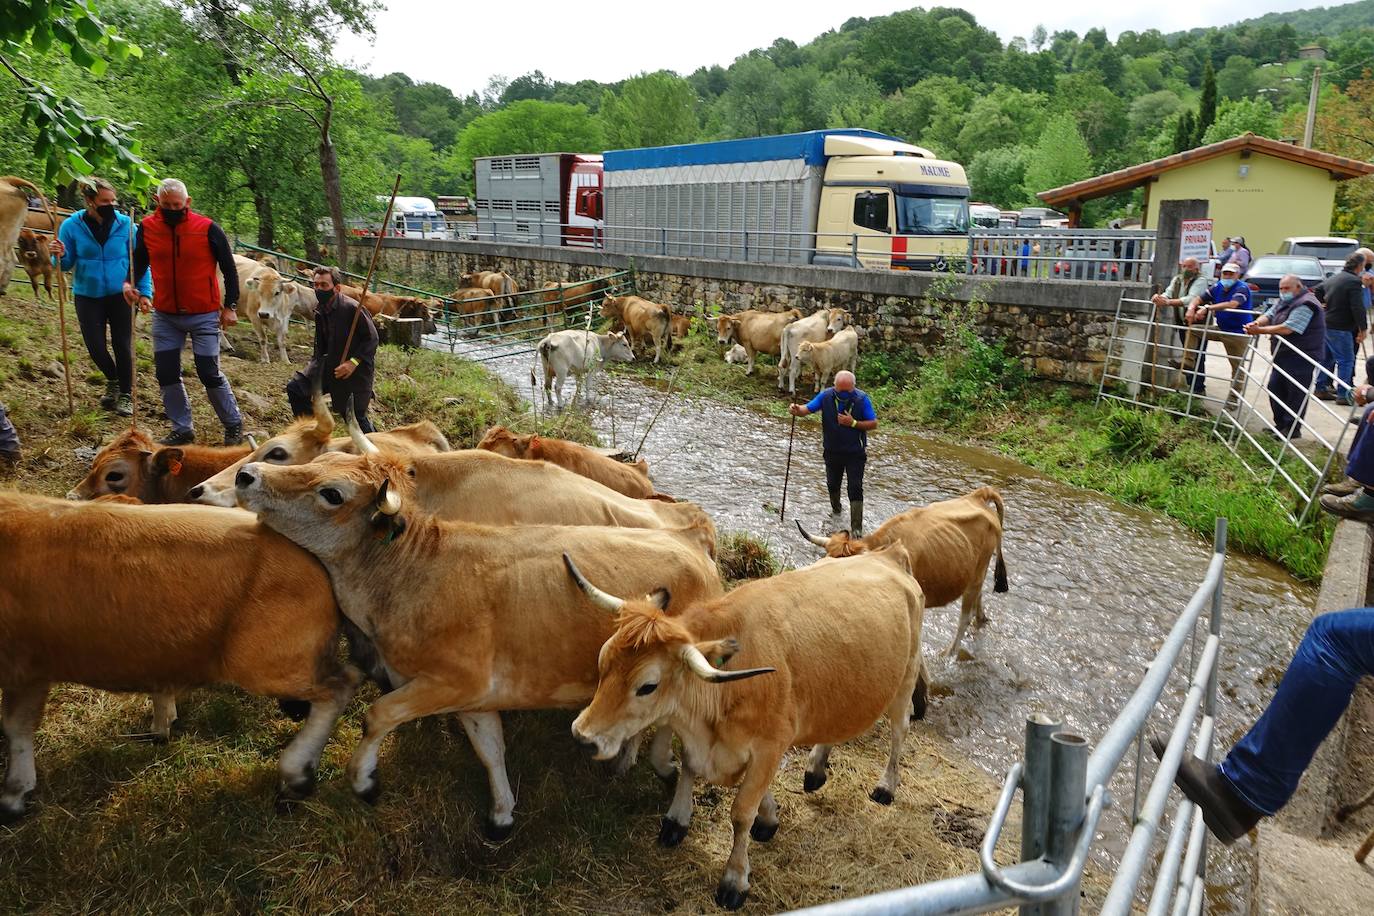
x: 1317, y: 54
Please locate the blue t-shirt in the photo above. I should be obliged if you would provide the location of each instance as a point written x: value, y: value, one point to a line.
x: 1234, y: 319
x: 830, y: 404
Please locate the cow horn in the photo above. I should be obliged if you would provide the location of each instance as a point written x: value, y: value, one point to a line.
x: 324, y: 420
x: 388, y: 500
x: 603, y: 600
x: 363, y: 444
x: 702, y: 668
x: 252, y: 442
x: 822, y: 543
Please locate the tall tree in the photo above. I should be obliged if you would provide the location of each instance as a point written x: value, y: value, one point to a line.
x: 1060, y: 157
x: 528, y: 126
x: 1207, y: 104
x: 1241, y: 116
x: 1185, y: 131
x: 652, y: 109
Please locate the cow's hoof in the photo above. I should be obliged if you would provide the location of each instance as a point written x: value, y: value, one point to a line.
x: 493, y: 832
x: 9, y: 813
x: 813, y: 781
x: 730, y: 897
x: 763, y: 832
x: 295, y: 710
x: 881, y: 796
x: 918, y: 703
x: 372, y: 792
x: 297, y: 788
x: 671, y: 833
x: 669, y: 778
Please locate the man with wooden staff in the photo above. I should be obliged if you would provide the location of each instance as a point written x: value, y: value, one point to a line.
x: 346, y: 369
x: 847, y: 417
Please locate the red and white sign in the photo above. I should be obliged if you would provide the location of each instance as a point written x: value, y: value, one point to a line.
x: 1197, y: 240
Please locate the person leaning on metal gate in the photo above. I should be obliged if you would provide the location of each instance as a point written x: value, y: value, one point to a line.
x: 1299, y: 319
x: 1188, y: 284
x: 1353, y: 497
x: 847, y: 417
x: 183, y: 248
x: 346, y: 370
x: 1229, y: 301
x: 1346, y: 322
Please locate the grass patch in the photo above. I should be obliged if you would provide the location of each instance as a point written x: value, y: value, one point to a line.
x: 741, y: 556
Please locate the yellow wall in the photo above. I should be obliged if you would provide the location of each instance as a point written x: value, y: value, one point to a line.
x: 1276, y: 199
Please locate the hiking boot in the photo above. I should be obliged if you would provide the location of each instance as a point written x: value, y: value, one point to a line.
x: 124, y: 406
x: 111, y: 395
x: 10, y: 456
x: 178, y: 437
x: 1226, y: 815
x: 233, y: 435
x: 1325, y: 394
x: 1344, y: 488
x: 856, y: 518
x: 1358, y: 506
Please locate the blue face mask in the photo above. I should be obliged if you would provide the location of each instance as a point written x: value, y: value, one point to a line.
x: 1228, y: 282
x: 1286, y: 297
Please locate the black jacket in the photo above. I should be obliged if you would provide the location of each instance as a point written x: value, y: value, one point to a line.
x: 1344, y: 298
x: 332, y: 321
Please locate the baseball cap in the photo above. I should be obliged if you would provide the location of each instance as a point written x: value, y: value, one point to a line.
x: 1229, y: 268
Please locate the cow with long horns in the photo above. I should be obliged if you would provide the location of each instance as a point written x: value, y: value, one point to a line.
x: 518, y: 635
x: 950, y: 543
x: 839, y: 641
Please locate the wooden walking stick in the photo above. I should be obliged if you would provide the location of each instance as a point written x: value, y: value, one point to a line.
x: 133, y: 328
x: 787, y: 475
x: 372, y: 265
x: 61, y: 306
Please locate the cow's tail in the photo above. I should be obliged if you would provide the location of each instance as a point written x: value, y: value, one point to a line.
x: 992, y: 497
x: 541, y: 354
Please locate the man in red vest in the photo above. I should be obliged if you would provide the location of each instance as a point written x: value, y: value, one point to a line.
x: 183, y: 248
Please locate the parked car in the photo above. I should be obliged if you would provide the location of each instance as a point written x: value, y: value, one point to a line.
x: 1332, y: 252
x: 1266, y: 271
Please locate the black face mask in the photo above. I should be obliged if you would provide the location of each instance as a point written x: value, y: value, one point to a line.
x: 322, y: 296
x: 172, y: 217
x: 106, y: 212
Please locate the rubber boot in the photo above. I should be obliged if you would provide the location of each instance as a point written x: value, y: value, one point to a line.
x: 111, y: 395
x: 856, y: 518
x: 836, y: 521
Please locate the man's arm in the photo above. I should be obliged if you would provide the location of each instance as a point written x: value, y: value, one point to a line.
x: 365, y: 340
x: 801, y: 410
x: 865, y: 419
x: 224, y: 257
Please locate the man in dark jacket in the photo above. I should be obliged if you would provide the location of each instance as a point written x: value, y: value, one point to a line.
x: 1299, y: 319
x: 1345, y: 329
x: 344, y: 373
x: 183, y: 248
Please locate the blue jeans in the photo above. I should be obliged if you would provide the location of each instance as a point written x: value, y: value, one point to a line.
x: 1360, y: 463
x: 1264, y: 768
x: 9, y: 439
x: 169, y: 336
x: 1340, y: 362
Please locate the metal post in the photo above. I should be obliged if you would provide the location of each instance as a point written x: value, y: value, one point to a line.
x: 746, y: 244
x: 854, y: 247
x: 663, y: 241
x: 1035, y: 793
x: 1068, y: 793
x: 1312, y: 106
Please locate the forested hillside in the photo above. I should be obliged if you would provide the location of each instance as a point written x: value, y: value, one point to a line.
x: 233, y: 113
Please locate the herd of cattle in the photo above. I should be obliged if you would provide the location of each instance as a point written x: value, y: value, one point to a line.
x: 527, y: 573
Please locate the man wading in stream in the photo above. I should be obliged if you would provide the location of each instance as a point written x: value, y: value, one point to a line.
x: 846, y: 418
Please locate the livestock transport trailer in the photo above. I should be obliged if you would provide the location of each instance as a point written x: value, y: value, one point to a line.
x: 540, y: 199
x: 850, y: 198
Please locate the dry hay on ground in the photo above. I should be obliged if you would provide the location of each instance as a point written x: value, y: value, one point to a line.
x: 126, y: 825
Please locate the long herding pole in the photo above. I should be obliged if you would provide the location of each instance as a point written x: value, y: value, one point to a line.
x: 61, y: 306
x: 662, y: 404
x: 787, y: 475
x: 372, y: 265
x: 133, y: 327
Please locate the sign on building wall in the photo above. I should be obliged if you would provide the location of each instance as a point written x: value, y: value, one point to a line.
x: 1197, y: 240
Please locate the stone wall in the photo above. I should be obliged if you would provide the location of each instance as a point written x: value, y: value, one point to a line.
x: 1059, y: 329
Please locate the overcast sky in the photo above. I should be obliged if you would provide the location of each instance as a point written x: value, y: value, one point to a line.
x: 461, y: 45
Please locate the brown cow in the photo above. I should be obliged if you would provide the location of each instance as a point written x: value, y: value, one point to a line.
x: 755, y: 331
x: 36, y: 259
x: 629, y: 479
x: 517, y: 636
x: 557, y: 298
x: 641, y: 320
x: 307, y: 439
x: 133, y: 465
x: 394, y: 306
x: 497, y: 282
x: 840, y: 645
x: 477, y: 305
x: 681, y: 327
x: 14, y: 208
x: 950, y: 543
x: 258, y: 613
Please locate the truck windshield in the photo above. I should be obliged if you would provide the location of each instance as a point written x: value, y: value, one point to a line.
x: 918, y: 214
